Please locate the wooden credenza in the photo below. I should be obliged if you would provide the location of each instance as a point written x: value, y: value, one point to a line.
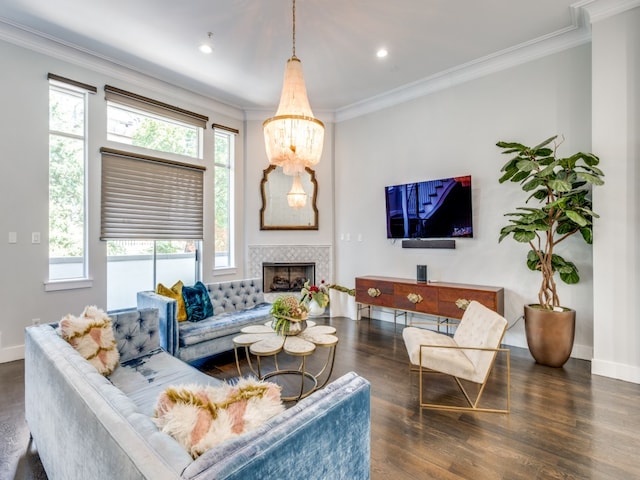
x: 437, y: 298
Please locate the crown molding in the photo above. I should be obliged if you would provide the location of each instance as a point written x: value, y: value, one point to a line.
x: 578, y: 33
x: 45, y: 44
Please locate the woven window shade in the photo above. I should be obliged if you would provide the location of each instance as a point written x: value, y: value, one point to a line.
x: 150, y: 198
x: 146, y: 104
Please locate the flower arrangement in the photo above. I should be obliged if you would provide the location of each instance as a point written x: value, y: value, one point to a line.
x: 314, y: 292
x: 286, y: 310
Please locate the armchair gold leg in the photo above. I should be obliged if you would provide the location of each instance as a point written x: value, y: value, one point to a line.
x: 473, y: 404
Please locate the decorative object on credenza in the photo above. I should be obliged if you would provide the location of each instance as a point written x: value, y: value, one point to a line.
x: 562, y: 188
x: 421, y: 273
x: 289, y: 315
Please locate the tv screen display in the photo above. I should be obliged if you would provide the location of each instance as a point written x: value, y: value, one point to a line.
x: 430, y: 209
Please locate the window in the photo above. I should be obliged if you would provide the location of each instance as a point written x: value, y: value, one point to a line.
x: 67, y: 184
x: 152, y: 207
x: 223, y: 174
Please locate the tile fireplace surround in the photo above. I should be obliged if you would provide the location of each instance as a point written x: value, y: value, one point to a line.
x: 321, y: 255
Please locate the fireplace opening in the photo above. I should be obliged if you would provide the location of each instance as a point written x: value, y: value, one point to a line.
x: 287, y: 277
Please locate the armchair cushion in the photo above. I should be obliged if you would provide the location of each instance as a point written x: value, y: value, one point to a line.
x: 471, y: 351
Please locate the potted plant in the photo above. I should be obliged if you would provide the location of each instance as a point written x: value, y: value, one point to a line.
x: 560, y: 188
x: 289, y: 315
x: 315, y: 297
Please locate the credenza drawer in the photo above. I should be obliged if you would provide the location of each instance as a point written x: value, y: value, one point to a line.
x: 447, y: 298
x: 425, y: 299
x: 383, y: 296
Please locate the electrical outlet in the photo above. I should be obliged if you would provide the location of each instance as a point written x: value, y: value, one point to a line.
x: 35, y: 321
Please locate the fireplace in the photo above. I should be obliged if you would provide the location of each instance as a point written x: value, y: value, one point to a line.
x: 287, y: 276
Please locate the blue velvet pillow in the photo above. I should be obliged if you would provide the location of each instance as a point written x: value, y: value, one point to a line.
x: 197, y: 302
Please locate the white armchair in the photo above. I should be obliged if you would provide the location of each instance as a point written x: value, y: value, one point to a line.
x: 469, y: 355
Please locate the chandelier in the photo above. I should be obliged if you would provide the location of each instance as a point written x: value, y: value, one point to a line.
x: 293, y: 137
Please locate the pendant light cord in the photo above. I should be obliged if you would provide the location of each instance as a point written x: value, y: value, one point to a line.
x: 294, y: 28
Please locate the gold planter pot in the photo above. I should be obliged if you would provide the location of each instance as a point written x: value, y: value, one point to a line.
x: 550, y: 334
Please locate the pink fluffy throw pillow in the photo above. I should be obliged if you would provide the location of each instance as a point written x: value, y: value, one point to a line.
x: 92, y: 336
x: 201, y: 416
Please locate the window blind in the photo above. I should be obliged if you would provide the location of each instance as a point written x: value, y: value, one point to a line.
x: 150, y: 198
x: 75, y: 83
x: 150, y: 105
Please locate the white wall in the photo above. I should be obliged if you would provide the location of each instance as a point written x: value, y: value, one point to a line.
x: 616, y: 124
x: 450, y: 133
x: 24, y: 180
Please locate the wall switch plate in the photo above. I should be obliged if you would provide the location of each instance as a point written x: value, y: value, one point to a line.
x: 13, y: 237
x: 35, y: 237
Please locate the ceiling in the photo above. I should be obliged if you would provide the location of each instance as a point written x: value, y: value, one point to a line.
x: 336, y: 40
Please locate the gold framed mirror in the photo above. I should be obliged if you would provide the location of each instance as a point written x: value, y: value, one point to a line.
x: 276, y: 212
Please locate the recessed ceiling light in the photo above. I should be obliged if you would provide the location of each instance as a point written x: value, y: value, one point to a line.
x: 382, y: 53
x: 206, y: 46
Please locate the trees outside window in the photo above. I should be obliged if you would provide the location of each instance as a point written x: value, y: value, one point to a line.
x: 67, y: 159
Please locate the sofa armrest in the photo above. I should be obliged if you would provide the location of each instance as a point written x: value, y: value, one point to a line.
x: 326, y: 435
x: 167, y: 318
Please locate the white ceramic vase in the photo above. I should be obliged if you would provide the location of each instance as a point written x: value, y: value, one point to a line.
x: 315, y: 309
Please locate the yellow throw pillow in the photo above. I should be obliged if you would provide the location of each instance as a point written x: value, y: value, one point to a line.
x: 174, y: 292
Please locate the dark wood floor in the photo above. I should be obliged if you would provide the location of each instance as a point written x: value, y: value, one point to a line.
x: 564, y: 423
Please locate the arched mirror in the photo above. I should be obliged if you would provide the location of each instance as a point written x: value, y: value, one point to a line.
x: 286, y: 203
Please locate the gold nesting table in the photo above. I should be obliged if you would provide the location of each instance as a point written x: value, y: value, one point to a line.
x: 261, y: 341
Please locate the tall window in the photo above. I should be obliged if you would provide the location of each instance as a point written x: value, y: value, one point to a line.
x: 147, y: 200
x: 67, y: 198
x: 224, y: 155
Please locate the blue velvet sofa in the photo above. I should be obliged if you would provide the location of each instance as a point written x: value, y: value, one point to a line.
x: 236, y: 304
x: 87, y: 426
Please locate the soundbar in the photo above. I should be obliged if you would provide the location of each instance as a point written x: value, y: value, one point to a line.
x: 428, y: 244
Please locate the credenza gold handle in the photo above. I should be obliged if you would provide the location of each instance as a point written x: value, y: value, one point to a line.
x: 374, y: 292
x: 462, y: 303
x: 414, y: 298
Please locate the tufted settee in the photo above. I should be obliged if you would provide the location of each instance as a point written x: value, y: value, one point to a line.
x: 87, y: 426
x: 236, y: 304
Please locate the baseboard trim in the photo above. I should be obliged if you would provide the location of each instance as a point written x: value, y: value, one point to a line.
x: 11, y: 354
x: 619, y: 371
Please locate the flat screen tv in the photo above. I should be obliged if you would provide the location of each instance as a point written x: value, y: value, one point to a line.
x: 430, y: 209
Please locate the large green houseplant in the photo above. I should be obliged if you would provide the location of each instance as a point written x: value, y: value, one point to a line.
x: 560, y: 190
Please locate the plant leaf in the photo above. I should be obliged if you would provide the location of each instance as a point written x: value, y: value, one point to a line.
x: 560, y: 185
x: 576, y: 217
x: 523, y: 236
x: 545, y: 143
x: 593, y: 179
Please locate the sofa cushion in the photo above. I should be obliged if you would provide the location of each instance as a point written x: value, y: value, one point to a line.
x: 197, y: 302
x: 92, y: 336
x: 175, y: 292
x: 200, y: 417
x: 144, y: 378
x: 191, y: 333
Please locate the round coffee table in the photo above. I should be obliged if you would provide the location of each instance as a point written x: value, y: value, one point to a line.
x: 262, y: 341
